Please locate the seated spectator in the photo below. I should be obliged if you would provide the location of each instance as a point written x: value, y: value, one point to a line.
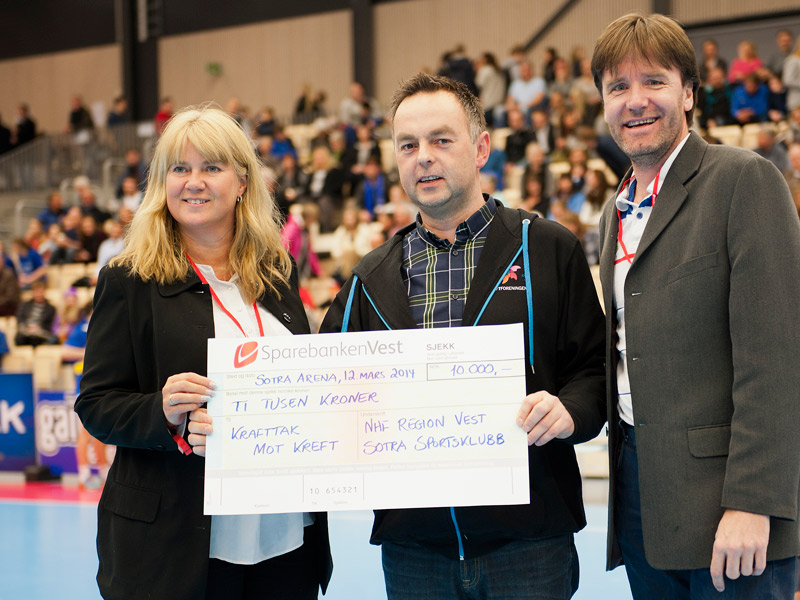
x: 34, y: 234
x: 282, y: 144
x: 565, y: 194
x: 714, y: 100
x: 67, y: 316
x: 118, y: 115
x: 65, y: 242
x: 358, y: 107
x: 351, y: 243
x: 784, y: 40
x: 583, y: 87
x: 27, y: 264
x: 566, y: 136
x: 164, y: 114
x: 371, y: 191
x: 365, y: 148
x: 528, y: 92
x: 35, y: 319
x: 549, y: 58
x: 749, y: 101
x: 746, y: 63
x: 309, y: 105
x: 791, y: 78
x: 55, y: 210
x: 767, y: 147
x: 91, y: 236
x: 9, y: 287
x: 536, y: 164
x: 543, y: 132
x: 264, y: 152
x: 459, y: 67
x: 533, y: 200
x: 265, y: 123
x: 134, y: 167
x: 131, y: 195
x: 79, y: 117
x: 296, y: 238
x: 324, y: 187
x: 562, y: 78
x: 491, y: 84
x: 88, y: 201
x: 518, y: 139
x: 114, y: 244
x: 711, y: 60
x: 290, y: 181
x: 776, y: 99
x: 597, y: 193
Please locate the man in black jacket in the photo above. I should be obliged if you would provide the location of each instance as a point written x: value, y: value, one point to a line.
x: 460, y: 263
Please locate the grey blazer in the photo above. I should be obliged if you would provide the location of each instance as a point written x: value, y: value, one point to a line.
x: 712, y: 338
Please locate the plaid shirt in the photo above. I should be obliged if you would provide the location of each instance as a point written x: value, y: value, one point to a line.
x: 437, y: 274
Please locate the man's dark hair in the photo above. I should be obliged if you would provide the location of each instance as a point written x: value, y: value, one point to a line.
x: 655, y: 38
x: 422, y: 83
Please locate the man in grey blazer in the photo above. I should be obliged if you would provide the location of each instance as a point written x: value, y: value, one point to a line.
x: 700, y: 269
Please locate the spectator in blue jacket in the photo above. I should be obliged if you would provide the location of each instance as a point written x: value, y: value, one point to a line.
x: 749, y: 102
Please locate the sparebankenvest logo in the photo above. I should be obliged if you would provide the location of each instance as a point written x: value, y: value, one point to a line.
x: 512, y: 275
x: 245, y: 354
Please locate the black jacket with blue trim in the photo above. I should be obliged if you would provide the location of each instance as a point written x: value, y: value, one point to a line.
x: 569, y: 338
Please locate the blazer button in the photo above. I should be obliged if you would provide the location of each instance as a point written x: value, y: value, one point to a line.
x: 287, y: 318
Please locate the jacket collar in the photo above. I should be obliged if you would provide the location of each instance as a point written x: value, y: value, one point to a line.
x: 379, y: 271
x: 671, y: 197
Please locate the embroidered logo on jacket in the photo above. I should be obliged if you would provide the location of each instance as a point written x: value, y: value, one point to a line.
x: 245, y: 354
x: 512, y: 275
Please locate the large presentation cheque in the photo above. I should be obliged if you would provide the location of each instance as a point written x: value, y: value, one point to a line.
x: 352, y: 421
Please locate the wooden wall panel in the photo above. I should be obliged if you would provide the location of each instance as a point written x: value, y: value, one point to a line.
x: 413, y: 35
x: 692, y: 11
x: 47, y: 82
x: 262, y: 64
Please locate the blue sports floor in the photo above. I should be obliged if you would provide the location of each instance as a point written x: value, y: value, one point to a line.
x: 47, y: 551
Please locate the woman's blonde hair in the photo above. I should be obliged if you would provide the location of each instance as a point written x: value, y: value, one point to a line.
x: 153, y: 245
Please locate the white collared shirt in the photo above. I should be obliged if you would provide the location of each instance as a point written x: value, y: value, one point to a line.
x: 249, y: 539
x: 633, y: 226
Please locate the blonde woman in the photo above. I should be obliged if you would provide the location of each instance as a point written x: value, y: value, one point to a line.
x: 203, y: 246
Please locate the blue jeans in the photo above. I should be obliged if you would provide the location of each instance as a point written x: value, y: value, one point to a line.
x: 544, y: 569
x: 648, y: 583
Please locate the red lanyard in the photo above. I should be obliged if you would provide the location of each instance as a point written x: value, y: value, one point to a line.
x: 627, y: 256
x: 222, y: 306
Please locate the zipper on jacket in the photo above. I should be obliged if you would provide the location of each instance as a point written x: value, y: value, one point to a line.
x: 458, y: 533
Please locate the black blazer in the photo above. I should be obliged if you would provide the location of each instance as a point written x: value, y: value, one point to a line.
x: 153, y: 539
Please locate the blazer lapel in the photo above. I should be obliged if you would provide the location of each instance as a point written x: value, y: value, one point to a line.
x: 672, y: 194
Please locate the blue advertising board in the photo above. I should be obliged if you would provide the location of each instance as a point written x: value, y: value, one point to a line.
x: 17, y: 436
x: 57, y: 428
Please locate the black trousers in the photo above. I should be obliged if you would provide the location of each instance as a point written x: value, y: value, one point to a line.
x: 290, y: 576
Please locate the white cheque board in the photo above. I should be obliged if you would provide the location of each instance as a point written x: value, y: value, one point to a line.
x: 354, y: 421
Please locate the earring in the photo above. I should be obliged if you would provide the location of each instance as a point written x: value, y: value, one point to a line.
x: 239, y: 199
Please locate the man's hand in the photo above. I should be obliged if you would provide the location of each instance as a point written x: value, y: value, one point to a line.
x: 740, y: 546
x: 544, y: 417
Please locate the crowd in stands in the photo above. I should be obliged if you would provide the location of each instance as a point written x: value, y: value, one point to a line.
x: 337, y: 188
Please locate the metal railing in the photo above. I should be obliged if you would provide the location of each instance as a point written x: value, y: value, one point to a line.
x: 48, y: 160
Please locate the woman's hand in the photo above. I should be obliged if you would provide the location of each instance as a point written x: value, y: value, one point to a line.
x: 199, y: 427
x: 183, y: 393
